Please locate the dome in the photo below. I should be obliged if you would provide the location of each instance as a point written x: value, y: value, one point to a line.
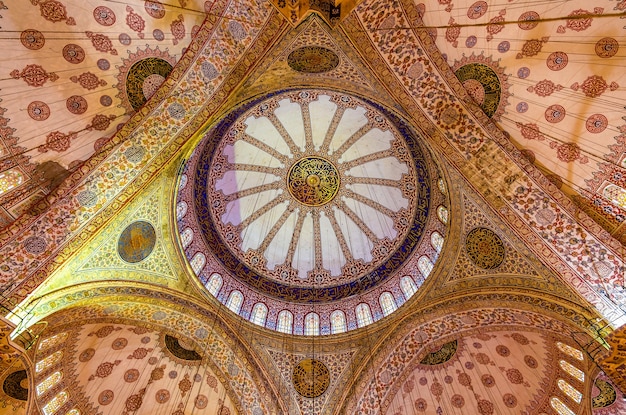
x: 310, y: 211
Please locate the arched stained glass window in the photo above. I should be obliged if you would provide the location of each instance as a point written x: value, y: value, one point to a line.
x: 616, y: 195
x: 571, y: 351
x: 10, y: 179
x: 436, y: 241
x: 51, y: 341
x: 572, y: 370
x: 45, y: 363
x: 442, y: 213
x: 181, y: 210
x: 442, y: 186
x: 285, y: 322
x: 183, y: 181
x: 560, y: 407
x: 387, y: 303
x: 312, y: 324
x: 408, y: 286
x: 56, y: 402
x: 186, y: 237
x: 234, y: 302
x: 214, y: 284
x: 48, y: 382
x: 198, y: 262
x: 425, y: 265
x: 338, y: 322
x: 259, y: 314
x: 570, y: 391
x: 363, y: 315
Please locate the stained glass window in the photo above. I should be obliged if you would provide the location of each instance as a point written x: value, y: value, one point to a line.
x: 181, y: 210
x: 259, y: 314
x: 51, y: 341
x: 10, y: 179
x: 338, y: 322
x: 285, y: 322
x: 45, y: 363
x: 73, y: 412
x: 442, y: 185
x: 198, y: 262
x: 363, y: 315
x: 56, y: 402
x: 425, y: 265
x: 437, y: 241
x: 387, y: 303
x: 49, y: 382
x: 408, y: 286
x: 235, y: 300
x: 570, y: 391
x: 183, y: 181
x: 312, y: 324
x: 572, y: 370
x: 569, y: 350
x: 186, y: 237
x: 442, y: 212
x: 616, y: 195
x: 214, y: 284
x: 560, y: 407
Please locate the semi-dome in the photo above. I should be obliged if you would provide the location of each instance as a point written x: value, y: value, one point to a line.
x: 311, y: 211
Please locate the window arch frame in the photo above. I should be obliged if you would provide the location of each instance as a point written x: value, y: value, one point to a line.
x: 342, y: 327
x: 312, y: 324
x: 365, y: 317
x: 254, y: 315
x: 387, y: 303
x: 231, y: 301
x: 284, y: 327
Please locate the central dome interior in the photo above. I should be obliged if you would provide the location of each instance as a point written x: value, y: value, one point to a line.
x: 307, y: 199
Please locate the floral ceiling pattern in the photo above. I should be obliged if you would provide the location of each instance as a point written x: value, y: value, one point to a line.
x: 73, y: 73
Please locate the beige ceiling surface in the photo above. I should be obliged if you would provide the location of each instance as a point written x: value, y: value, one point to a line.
x: 559, y: 65
x: 72, y: 74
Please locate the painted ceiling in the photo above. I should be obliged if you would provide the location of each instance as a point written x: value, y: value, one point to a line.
x: 107, y: 108
x: 550, y: 75
x: 73, y: 74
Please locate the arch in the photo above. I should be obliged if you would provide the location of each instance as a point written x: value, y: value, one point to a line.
x: 52, y: 341
x: 214, y: 284
x: 259, y: 314
x: 442, y: 186
x: 442, y: 214
x: 10, y: 179
x: 55, y: 403
x: 408, y: 286
x: 363, y: 315
x: 186, y: 237
x: 198, y: 262
x: 570, y: 391
x: 436, y: 240
x: 338, y: 322
x: 48, y: 361
x: 560, y: 407
x: 572, y: 370
x: 616, y: 194
x: 48, y: 382
x: 181, y: 210
x: 285, y: 322
x: 425, y: 265
x: 387, y: 303
x: 570, y: 351
x: 234, y: 302
x: 312, y: 324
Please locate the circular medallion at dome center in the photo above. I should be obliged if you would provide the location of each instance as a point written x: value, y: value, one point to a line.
x: 313, y: 181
